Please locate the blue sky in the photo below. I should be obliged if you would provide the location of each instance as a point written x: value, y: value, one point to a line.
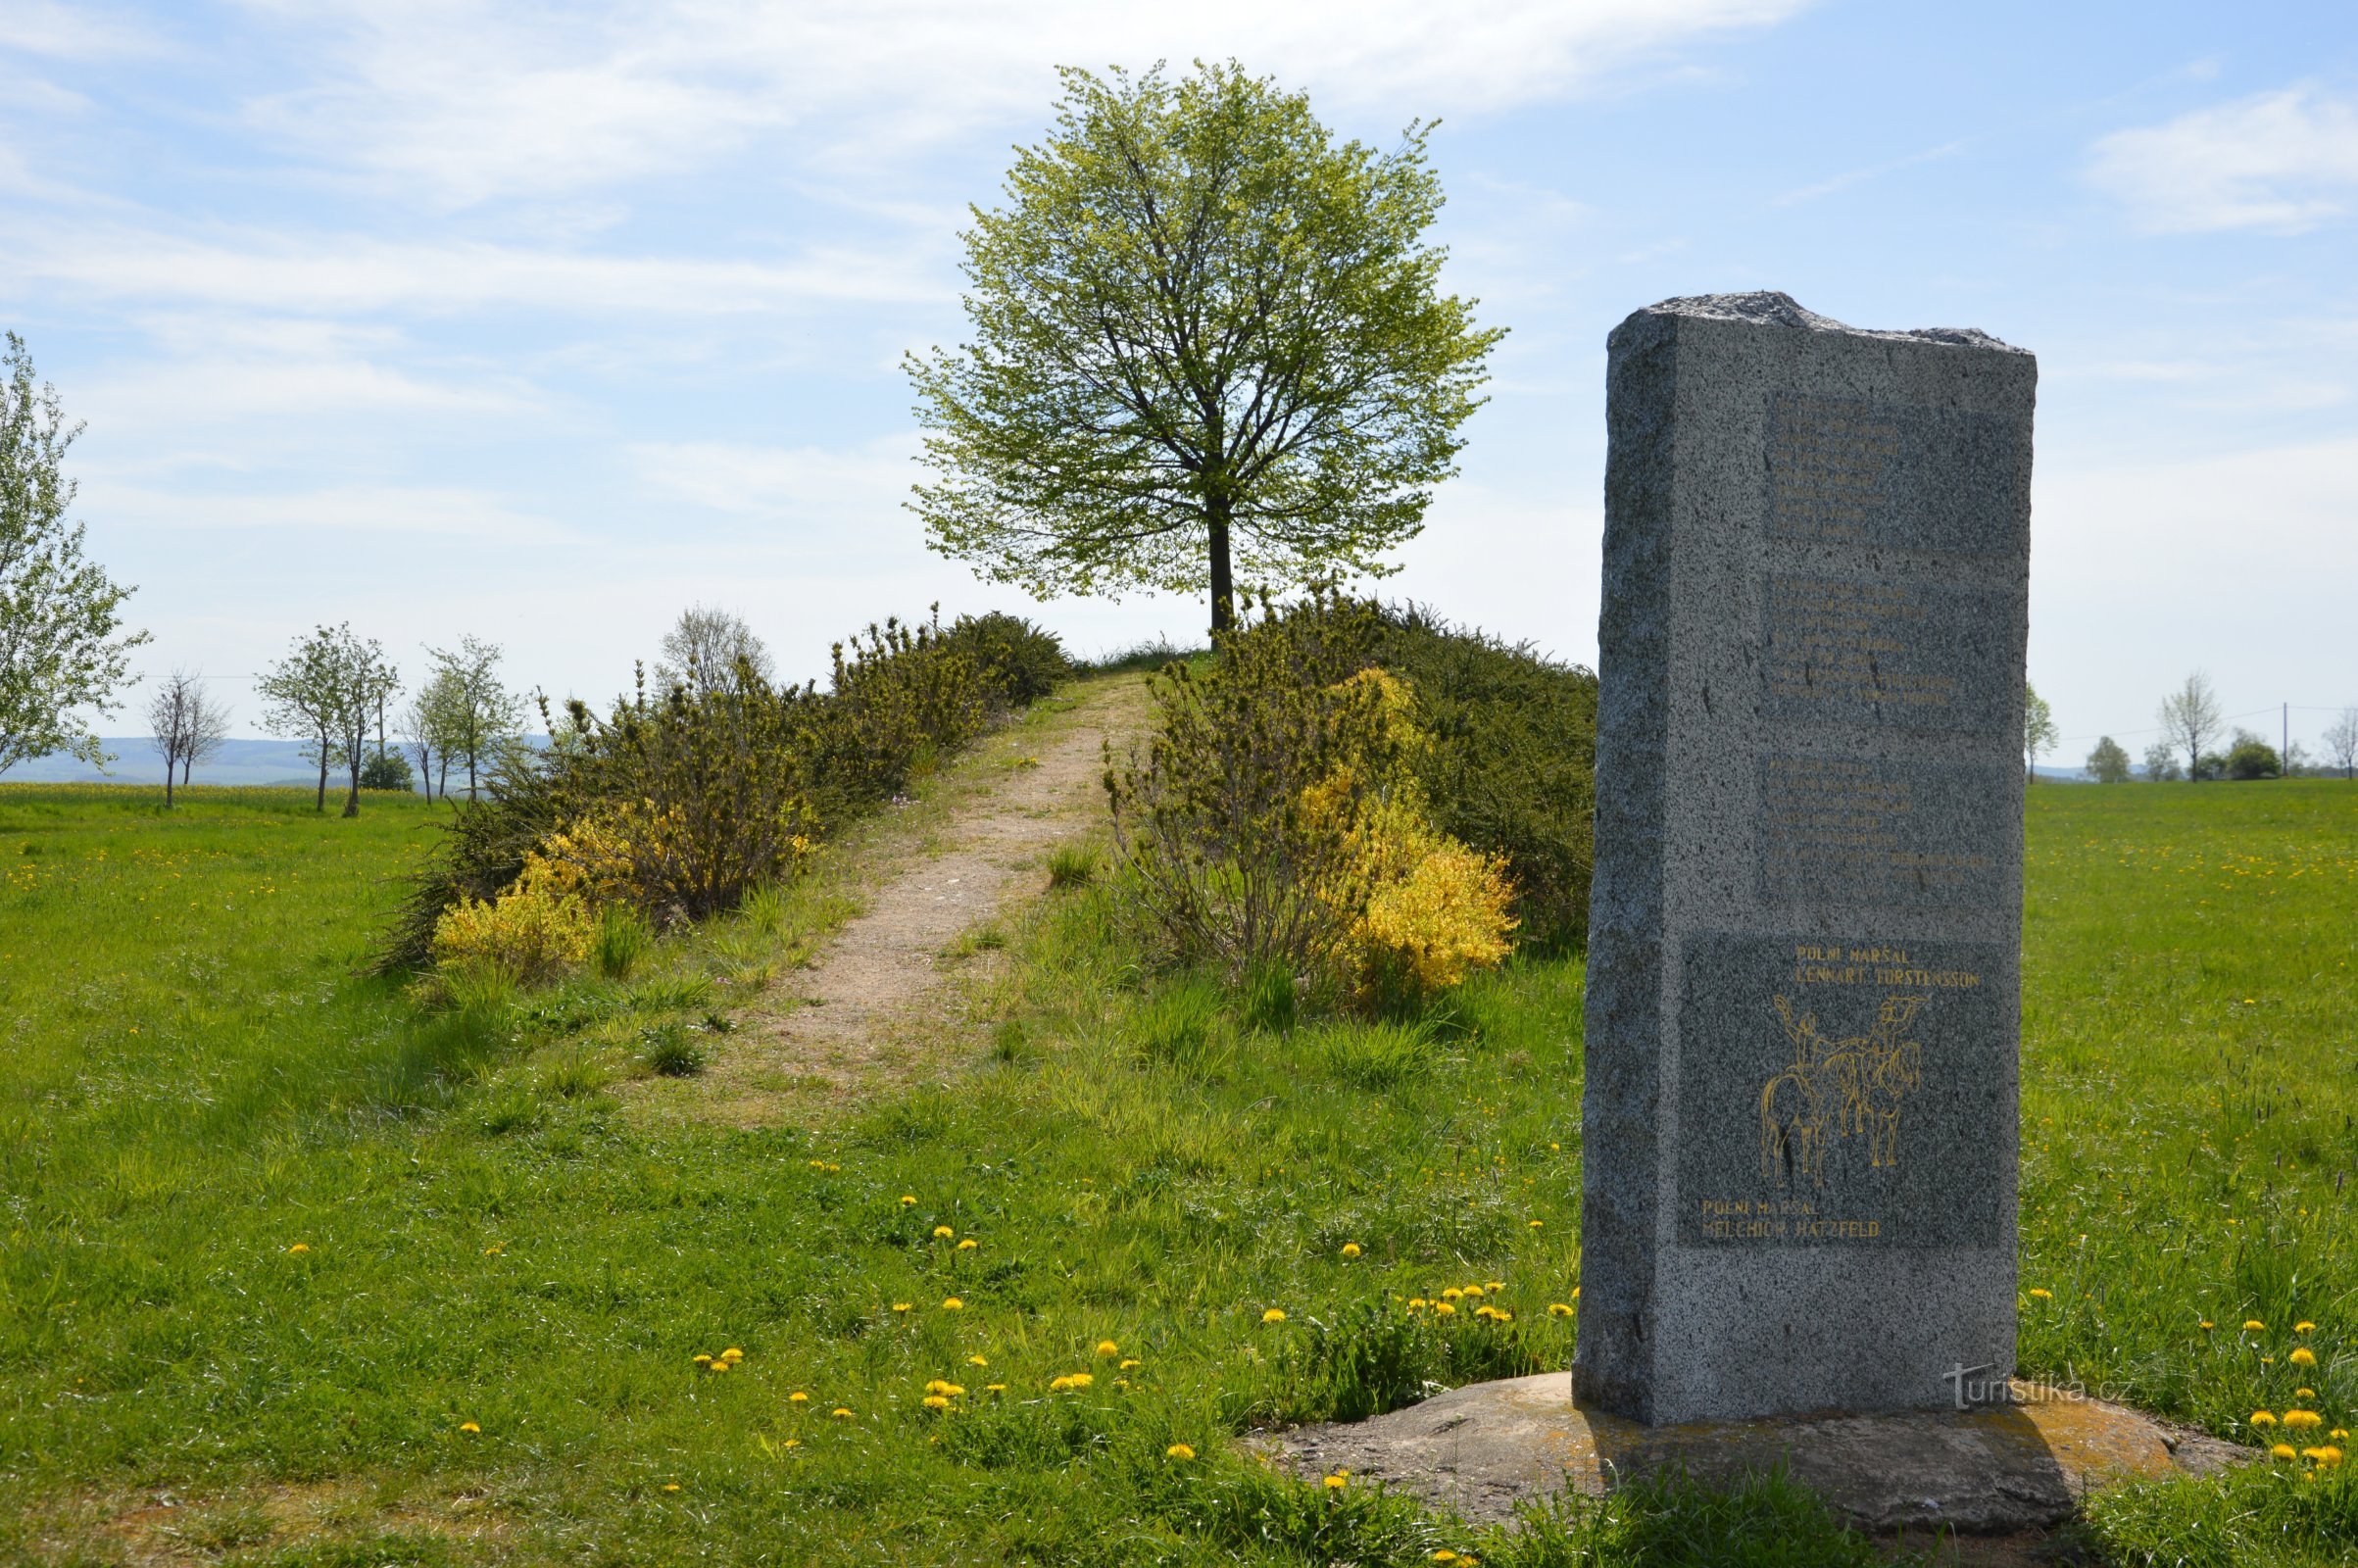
x: 543, y: 321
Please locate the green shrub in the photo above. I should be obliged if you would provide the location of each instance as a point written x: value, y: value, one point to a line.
x: 680, y: 804
x: 1511, y: 769
x: 387, y: 770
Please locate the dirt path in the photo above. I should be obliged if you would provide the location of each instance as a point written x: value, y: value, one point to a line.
x: 877, y: 1003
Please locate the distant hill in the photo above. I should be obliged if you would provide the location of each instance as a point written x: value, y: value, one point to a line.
x: 261, y: 762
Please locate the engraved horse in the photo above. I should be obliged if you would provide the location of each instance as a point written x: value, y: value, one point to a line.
x: 1793, y: 1107
x: 1896, y: 1071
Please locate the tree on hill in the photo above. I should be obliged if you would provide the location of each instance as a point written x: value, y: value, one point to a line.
x: 301, y: 694
x: 2342, y: 742
x: 2108, y: 763
x: 2038, y: 733
x: 62, y: 644
x: 2190, y: 717
x: 369, y: 682
x: 2161, y: 764
x: 705, y: 650
x: 1208, y: 343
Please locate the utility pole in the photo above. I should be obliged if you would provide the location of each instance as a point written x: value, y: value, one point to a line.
x: 2283, y: 756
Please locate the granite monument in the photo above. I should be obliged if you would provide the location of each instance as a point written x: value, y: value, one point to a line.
x: 1803, y: 1013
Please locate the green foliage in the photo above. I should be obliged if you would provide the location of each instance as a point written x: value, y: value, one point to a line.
x: 1208, y: 342
x: 2040, y: 735
x: 62, y: 646
x: 1512, y: 765
x: 1271, y: 1001
x: 2265, y: 1514
x: 387, y: 770
x: 671, y: 1050
x: 2108, y: 762
x: 682, y: 803
x: 2250, y: 758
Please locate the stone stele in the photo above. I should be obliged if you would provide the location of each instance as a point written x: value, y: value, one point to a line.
x: 1799, y: 1126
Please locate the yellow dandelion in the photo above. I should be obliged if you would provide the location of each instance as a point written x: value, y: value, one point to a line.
x: 797, y: 1396
x: 934, y: 1401
x: 2329, y: 1456
x: 2262, y: 1418
x: 670, y: 1486
x: 720, y: 1365
x: 952, y: 1389
x: 907, y: 1201
x: 791, y: 1443
x: 978, y: 1360
x: 2339, y: 1434
x: 1444, y: 1554
x: 300, y: 1246
x: 1350, y: 1248
x: 469, y: 1426
x: 899, y: 1306
x: 2304, y: 1327
x: 1275, y: 1314
x: 1536, y: 1224
x: 2040, y: 1293
x: 1496, y: 1286
x: 1107, y: 1348
x: 1129, y: 1362
x: 1416, y: 1303
x: 952, y: 1303
x: 1338, y: 1480
x: 2281, y: 1451
x: 2252, y: 1325
x: 1082, y: 1380
x: 733, y: 1353
x: 2207, y: 1324
x: 966, y: 1246
x: 1059, y: 1385
x: 1444, y: 1309
x: 943, y: 1233
x: 840, y: 1413
x: 2304, y: 1394
x: 937, y: 1386
x: 2303, y: 1420
x: 704, y: 1360
x: 1178, y: 1450
x: 2302, y: 1355
x: 1452, y: 1294
x: 995, y: 1388
x: 1474, y: 1291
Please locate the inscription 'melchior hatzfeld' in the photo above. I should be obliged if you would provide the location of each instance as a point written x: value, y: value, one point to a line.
x: 1846, y: 470
x: 1858, y: 830
x: 1865, y: 650
x: 1840, y: 1092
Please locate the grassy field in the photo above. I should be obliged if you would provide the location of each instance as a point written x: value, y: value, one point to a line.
x: 295, y: 1275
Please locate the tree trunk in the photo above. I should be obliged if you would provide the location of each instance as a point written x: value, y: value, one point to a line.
x: 321, y: 803
x: 170, y: 761
x: 187, y: 766
x: 1224, y: 589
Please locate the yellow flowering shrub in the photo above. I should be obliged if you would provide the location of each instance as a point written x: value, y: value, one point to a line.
x: 1447, y: 917
x: 531, y: 931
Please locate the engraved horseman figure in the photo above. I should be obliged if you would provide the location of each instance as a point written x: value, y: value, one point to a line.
x: 1836, y: 1089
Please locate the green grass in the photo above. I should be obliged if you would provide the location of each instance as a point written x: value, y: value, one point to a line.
x: 505, y: 1222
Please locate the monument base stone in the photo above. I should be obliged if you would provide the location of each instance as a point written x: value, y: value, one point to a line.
x: 1991, y: 1470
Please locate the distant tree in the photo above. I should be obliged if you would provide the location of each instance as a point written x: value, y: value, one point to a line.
x: 369, y: 682
x: 482, y: 712
x: 1208, y: 341
x: 2108, y: 763
x: 2191, y: 716
x: 303, y: 696
x: 2249, y: 756
x: 387, y: 770
x: 208, y: 729
x: 2161, y: 764
x: 172, y: 722
x: 2342, y: 742
x: 428, y: 723
x: 2038, y: 733
x: 705, y: 650
x: 62, y: 644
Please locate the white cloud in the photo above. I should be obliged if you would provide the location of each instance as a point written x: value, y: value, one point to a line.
x: 356, y: 273
x: 2279, y: 162
x: 468, y: 100
x: 76, y: 31
x: 405, y: 510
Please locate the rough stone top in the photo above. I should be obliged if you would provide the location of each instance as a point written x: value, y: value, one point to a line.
x: 1769, y: 307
